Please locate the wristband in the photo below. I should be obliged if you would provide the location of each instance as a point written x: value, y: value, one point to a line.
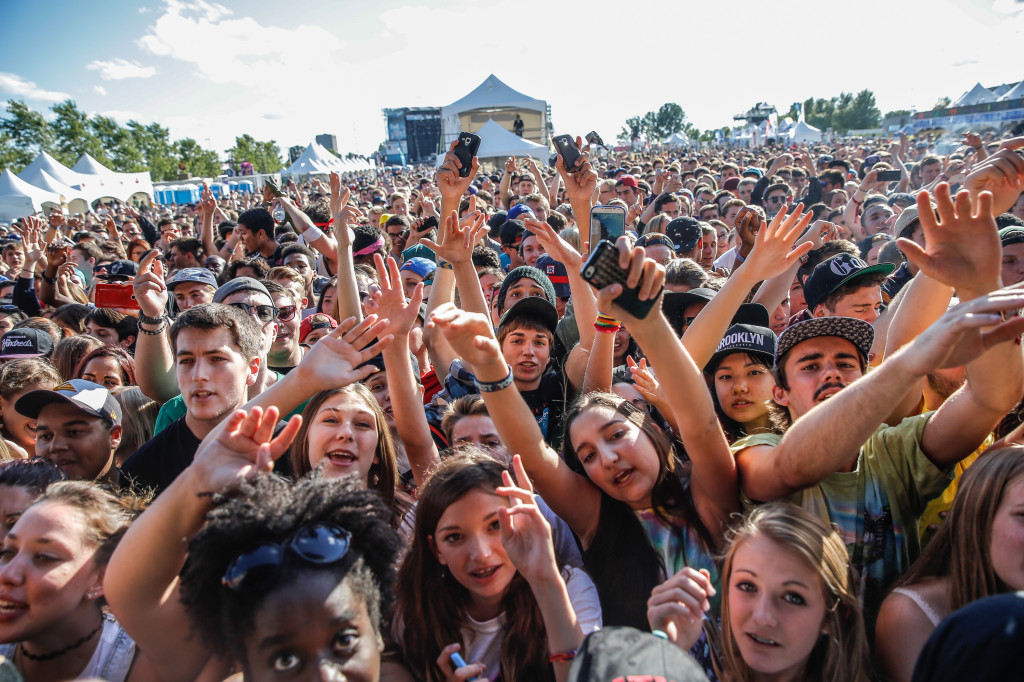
x: 158, y: 331
x: 312, y: 234
x: 660, y: 634
x: 51, y: 280
x: 444, y: 265
x: 144, y: 319
x: 562, y: 656
x: 492, y: 386
x: 607, y: 324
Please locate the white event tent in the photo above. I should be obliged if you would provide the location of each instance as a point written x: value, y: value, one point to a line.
x: 979, y: 94
x: 498, y: 143
x: 117, y: 185
x: 677, y: 140
x: 77, y: 200
x: 1016, y: 93
x: 804, y: 132
x: 317, y: 160
x: 493, y: 99
x: 18, y: 198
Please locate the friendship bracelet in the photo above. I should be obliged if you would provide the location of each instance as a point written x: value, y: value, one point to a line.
x: 444, y: 265
x: 562, y: 657
x: 605, y: 329
x: 492, y: 386
x: 156, y: 332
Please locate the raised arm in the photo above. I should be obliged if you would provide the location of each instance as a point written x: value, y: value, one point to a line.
x: 144, y: 594
x: 570, y: 495
x: 348, y: 291
x: 584, y: 303
x: 403, y: 386
x: 773, y: 254
x: 207, y: 208
x: 154, y: 360
x: 456, y: 251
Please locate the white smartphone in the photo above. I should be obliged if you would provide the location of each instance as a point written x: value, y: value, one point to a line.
x: 606, y: 222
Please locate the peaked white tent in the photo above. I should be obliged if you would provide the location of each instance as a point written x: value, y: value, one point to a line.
x: 804, y: 132
x: 78, y: 201
x: 1016, y: 93
x: 489, y: 100
x: 677, y: 140
x: 1001, y: 90
x: 315, y: 160
x: 496, y: 142
x: 979, y: 94
x: 55, y: 169
x: 117, y: 185
x: 19, y: 199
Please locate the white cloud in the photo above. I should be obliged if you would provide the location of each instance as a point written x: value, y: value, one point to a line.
x: 13, y: 84
x: 143, y: 10
x: 99, y: 90
x: 120, y: 69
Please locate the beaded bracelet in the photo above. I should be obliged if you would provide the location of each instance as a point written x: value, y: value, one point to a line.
x: 562, y: 656
x: 607, y: 324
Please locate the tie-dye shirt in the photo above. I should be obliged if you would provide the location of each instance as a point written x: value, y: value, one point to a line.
x: 877, y: 505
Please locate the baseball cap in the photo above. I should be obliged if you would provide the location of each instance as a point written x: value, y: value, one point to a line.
x: 192, y: 276
x: 424, y: 267
x: 239, y: 284
x: 122, y: 269
x: 557, y: 273
x: 747, y: 338
x: 511, y: 232
x: 495, y: 222
x: 684, y: 232
x: 655, y: 239
x: 518, y: 211
x: 1011, y: 235
x: 85, y: 395
x: 752, y: 173
x: 833, y: 273
x: 419, y: 251
x: 25, y: 343
x: 628, y: 181
x: 858, y: 332
x: 731, y: 184
x: 316, y: 321
x: 623, y: 653
x: 534, y: 307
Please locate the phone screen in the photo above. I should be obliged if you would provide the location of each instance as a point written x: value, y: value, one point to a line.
x: 607, y: 222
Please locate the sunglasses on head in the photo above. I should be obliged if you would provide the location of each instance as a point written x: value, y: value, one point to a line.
x: 314, y: 543
x: 263, y: 313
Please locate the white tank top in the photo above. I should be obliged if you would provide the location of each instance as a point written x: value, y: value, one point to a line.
x: 113, y: 656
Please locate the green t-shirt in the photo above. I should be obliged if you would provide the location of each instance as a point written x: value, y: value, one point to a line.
x: 877, y: 505
x: 174, y: 409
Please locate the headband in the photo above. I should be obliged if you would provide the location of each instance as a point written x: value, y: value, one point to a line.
x: 366, y: 250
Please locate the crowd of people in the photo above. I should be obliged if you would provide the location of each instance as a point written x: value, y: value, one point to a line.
x: 384, y: 428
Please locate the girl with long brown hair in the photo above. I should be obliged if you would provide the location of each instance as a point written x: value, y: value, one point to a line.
x: 481, y: 579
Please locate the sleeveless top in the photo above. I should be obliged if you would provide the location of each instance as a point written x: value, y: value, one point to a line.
x: 921, y: 603
x: 113, y: 656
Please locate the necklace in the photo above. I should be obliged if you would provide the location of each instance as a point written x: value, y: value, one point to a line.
x: 60, y: 652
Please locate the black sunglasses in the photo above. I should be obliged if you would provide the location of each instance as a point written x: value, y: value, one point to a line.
x: 286, y: 313
x: 315, y: 543
x: 263, y: 313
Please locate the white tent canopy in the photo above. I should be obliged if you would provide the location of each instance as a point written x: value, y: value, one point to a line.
x: 677, y: 140
x: 19, y: 199
x: 804, y: 132
x: 78, y: 201
x: 87, y: 185
x: 117, y: 185
x: 497, y: 142
x: 1016, y: 93
x: 979, y: 94
x: 491, y: 94
x: 315, y: 160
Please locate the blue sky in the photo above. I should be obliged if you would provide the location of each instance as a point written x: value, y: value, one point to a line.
x: 288, y: 71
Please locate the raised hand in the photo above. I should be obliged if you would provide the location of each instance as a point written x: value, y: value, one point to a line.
x: 581, y: 185
x: 644, y: 273
x: 57, y: 253
x: 392, y: 308
x: 645, y: 382
x: 471, y: 671
x: 450, y: 185
x: 246, y: 446
x: 1001, y: 174
x: 459, y: 237
x: 773, y: 251
x: 339, y: 195
x: 556, y: 247
x: 677, y: 606
x: 149, y: 287
x: 207, y: 204
x: 471, y: 335
x: 962, y: 247
x: 525, y: 533
x: 57, y: 218
x: 338, y: 359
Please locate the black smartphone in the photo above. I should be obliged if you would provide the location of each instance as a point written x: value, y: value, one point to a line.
x: 602, y: 269
x: 465, y: 150
x: 429, y: 223
x: 593, y: 138
x: 890, y: 175
x: 566, y: 146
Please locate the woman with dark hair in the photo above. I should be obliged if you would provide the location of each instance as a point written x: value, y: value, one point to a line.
x: 975, y: 554
x: 638, y: 513
x: 481, y: 578
x: 71, y: 318
x: 21, y: 482
x: 69, y: 353
x: 108, y: 366
x: 137, y: 248
x: 279, y: 580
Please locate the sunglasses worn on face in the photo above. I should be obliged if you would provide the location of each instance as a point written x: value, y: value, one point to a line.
x: 315, y: 543
x: 776, y: 200
x: 263, y: 313
x: 286, y: 313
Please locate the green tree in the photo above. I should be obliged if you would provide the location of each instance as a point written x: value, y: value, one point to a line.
x: 23, y: 134
x: 153, y: 141
x: 118, y: 144
x: 818, y: 112
x: 264, y: 156
x: 198, y: 162
x: 669, y: 119
x: 634, y: 126
x: 897, y: 113
x: 856, y: 112
x: 942, y: 103
x: 295, y: 151
x: 73, y: 134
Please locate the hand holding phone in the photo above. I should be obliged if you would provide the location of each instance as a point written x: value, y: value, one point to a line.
x: 607, y: 223
x: 890, y: 175
x: 602, y: 269
x: 571, y: 154
x: 465, y: 150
